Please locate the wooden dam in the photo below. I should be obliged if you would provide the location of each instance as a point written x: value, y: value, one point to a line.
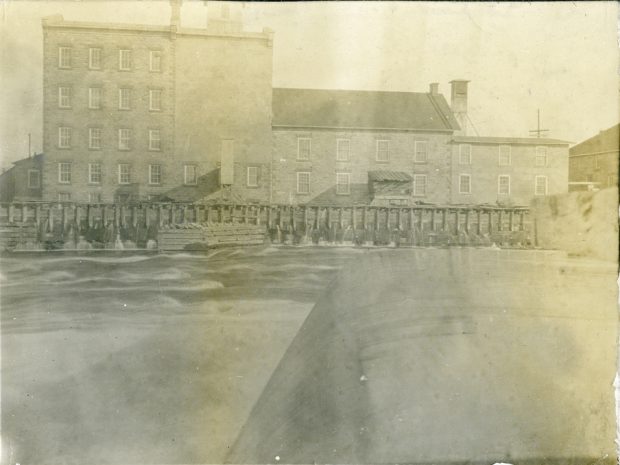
x: 193, y: 226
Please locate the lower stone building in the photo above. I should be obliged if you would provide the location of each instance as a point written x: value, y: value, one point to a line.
x: 507, y: 170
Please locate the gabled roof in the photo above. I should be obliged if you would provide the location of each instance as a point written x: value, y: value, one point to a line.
x: 399, y: 176
x: 357, y: 109
x: 508, y: 140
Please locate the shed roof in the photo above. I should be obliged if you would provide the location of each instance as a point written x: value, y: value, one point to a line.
x: 606, y: 141
x: 357, y: 109
x: 389, y: 176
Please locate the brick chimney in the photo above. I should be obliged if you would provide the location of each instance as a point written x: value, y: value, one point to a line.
x: 175, y: 13
x: 458, y: 103
x: 433, y: 88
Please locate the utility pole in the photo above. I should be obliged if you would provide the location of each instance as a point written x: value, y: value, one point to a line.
x: 29, y: 145
x: 538, y: 132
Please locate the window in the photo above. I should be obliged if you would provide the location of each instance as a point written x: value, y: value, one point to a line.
x: 303, y: 148
x: 540, y: 185
x: 155, y: 61
x: 124, y: 99
x: 124, y: 139
x: 94, y: 138
x: 64, y: 196
x: 64, y: 173
x: 541, y: 156
x: 34, y: 179
x: 465, y: 184
x: 154, y: 99
x: 190, y: 174
x: 124, y: 59
x: 124, y: 173
x: 94, y: 98
x: 94, y: 173
x: 504, y: 155
x: 464, y: 154
x: 64, y: 57
x: 154, y: 139
x: 94, y: 58
x: 383, y: 150
x: 154, y: 174
x: 225, y: 11
x: 343, y: 147
x: 611, y: 180
x: 303, y: 183
x: 419, y: 184
x: 421, y: 149
x: 597, y: 162
x: 252, y: 176
x: 503, y: 184
x: 64, y: 97
x: 64, y: 137
x: 94, y: 197
x: 343, y: 181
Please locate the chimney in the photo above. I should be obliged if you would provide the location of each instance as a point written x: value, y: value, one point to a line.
x: 433, y: 88
x: 175, y: 13
x: 458, y: 103
x: 224, y: 17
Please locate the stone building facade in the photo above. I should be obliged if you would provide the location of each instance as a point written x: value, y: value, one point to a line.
x: 506, y: 170
x: 326, y: 142
x: 135, y: 112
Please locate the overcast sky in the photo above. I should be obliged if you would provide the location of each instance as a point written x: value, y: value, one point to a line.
x: 559, y: 57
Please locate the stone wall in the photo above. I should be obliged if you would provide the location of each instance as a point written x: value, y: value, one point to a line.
x: 484, y: 170
x: 323, y: 166
x: 109, y: 118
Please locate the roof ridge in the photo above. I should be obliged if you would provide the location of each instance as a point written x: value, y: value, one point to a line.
x: 351, y: 90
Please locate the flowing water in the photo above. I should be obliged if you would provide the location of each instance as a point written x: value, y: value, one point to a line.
x: 111, y: 358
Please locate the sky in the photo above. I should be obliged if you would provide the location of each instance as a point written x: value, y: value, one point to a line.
x: 561, y: 58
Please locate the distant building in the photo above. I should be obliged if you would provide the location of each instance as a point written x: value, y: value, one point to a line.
x: 22, y: 182
x: 593, y: 163
x: 133, y: 111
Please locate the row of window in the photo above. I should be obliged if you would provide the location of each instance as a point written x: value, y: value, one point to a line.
x: 190, y: 174
x: 343, y: 150
x: 343, y: 180
x: 504, y: 155
x: 503, y: 184
x: 95, y: 59
x: 382, y: 154
x: 125, y: 138
x: 95, y: 98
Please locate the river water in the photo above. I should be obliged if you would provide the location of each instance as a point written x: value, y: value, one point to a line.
x: 116, y: 358
x: 113, y: 358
